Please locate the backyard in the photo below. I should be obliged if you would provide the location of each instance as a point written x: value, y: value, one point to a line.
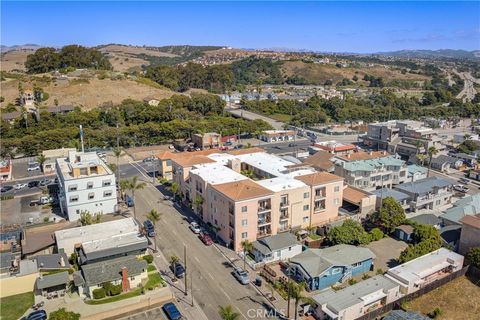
x: 458, y: 299
x: 13, y: 307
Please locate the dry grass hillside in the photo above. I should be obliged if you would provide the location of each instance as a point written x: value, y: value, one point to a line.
x: 90, y: 93
x: 319, y: 73
x: 14, y: 60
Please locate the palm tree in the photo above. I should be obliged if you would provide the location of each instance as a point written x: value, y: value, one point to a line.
x: 173, y: 261
x: 431, y: 152
x: 123, y: 185
x: 227, y: 313
x: 296, y: 292
x: 134, y: 185
x: 421, y: 157
x: 154, y: 216
x: 174, y: 188
x: 41, y: 160
x: 247, y: 247
x: 117, y: 152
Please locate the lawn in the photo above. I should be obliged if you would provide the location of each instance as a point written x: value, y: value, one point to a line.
x: 151, y: 268
x: 280, y: 117
x: 154, y: 280
x: 458, y: 299
x: 13, y: 307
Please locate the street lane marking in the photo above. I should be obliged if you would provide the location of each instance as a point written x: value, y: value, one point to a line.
x: 195, y: 257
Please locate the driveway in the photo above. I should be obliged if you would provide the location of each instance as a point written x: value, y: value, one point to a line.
x: 386, y: 251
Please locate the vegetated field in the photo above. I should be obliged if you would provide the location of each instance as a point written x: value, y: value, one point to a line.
x: 90, y: 93
x: 458, y: 299
x: 319, y: 73
x: 15, y: 59
x: 13, y: 307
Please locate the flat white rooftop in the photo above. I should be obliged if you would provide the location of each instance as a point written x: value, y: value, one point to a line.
x: 81, y: 160
x: 281, y: 183
x: 216, y: 173
x: 269, y: 163
x: 116, y: 241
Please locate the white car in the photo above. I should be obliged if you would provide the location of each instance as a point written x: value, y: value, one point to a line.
x: 33, y: 166
x: 461, y: 188
x: 19, y: 186
x: 195, y: 228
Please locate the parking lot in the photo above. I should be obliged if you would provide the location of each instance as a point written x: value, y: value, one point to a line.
x: 386, y: 250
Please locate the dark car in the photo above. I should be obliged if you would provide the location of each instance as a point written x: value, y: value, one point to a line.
x: 129, y: 201
x: 37, y: 315
x: 206, y: 239
x: 34, y: 183
x: 149, y: 228
x: 177, y: 269
x: 45, y: 182
x: 6, y: 189
x: 171, y: 311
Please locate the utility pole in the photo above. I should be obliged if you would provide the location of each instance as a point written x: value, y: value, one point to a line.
x: 288, y: 289
x: 185, y: 261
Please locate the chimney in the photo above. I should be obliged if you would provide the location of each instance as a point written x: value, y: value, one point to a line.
x: 125, y: 281
x: 235, y: 165
x: 62, y: 261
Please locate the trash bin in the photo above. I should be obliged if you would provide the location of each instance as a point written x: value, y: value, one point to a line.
x: 258, y: 281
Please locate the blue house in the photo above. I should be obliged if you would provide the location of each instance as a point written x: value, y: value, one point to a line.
x: 321, y: 268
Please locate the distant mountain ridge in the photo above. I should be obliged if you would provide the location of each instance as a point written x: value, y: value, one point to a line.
x: 27, y: 46
x: 442, y: 53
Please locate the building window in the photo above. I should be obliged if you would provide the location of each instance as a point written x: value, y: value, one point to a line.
x: 244, y: 235
x: 306, y: 195
x: 168, y: 163
x: 336, y: 270
x: 106, y: 183
x: 336, y: 189
x: 73, y: 198
x: 107, y: 193
x: 356, y: 264
x: 336, y: 201
x: 244, y: 209
x: 305, y: 219
x: 89, y: 185
x: 72, y: 187
x: 91, y: 195
x: 319, y: 205
x: 306, y: 207
x: 244, y: 222
x: 320, y: 192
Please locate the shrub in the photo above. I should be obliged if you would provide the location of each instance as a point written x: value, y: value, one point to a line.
x: 380, y: 271
x: 115, y: 290
x: 376, y: 234
x: 352, y: 282
x: 434, y: 313
x: 365, y: 276
x: 99, y: 293
x: 473, y: 255
x: 63, y: 314
x: 148, y: 258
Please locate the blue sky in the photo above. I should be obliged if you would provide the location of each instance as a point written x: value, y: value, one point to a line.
x: 323, y: 26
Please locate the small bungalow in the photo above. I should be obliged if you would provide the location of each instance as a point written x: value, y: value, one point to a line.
x: 321, y: 268
x: 52, y: 285
x: 404, y: 232
x: 278, y: 247
x: 416, y: 172
x: 444, y: 162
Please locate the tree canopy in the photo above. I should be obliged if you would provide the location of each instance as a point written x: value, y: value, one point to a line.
x: 426, y: 238
x: 390, y: 215
x: 473, y: 256
x: 63, y: 314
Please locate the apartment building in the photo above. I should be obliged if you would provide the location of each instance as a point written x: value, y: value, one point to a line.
x: 371, y: 170
x: 207, y: 140
x: 86, y: 183
x: 404, y: 137
x: 248, y: 194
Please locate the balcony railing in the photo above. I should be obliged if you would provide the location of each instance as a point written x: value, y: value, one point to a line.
x: 231, y: 210
x: 231, y: 224
x: 283, y: 216
x: 261, y: 234
x: 263, y: 209
x: 264, y: 221
x: 283, y: 204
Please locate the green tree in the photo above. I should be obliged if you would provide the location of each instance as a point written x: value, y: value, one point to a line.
x: 390, y: 215
x: 41, y: 160
x: 228, y: 313
x: 173, y: 261
x: 473, y: 255
x: 117, y: 152
x: 86, y: 218
x: 297, y: 293
x: 247, y: 246
x: 350, y: 232
x: 154, y: 216
x: 134, y: 185
x: 431, y: 152
x: 426, y: 239
x: 63, y: 314
x: 175, y: 188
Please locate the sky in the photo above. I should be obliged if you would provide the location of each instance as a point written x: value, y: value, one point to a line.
x: 362, y: 27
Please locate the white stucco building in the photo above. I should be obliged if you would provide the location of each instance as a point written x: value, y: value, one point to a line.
x: 86, y: 183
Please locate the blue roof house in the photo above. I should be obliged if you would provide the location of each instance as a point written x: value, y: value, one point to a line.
x: 321, y: 268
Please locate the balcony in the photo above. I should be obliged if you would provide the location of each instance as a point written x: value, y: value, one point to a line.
x: 263, y: 233
x: 231, y: 224
x: 231, y: 210
x: 264, y: 209
x: 263, y: 221
x: 284, y: 215
x: 284, y: 204
x: 320, y: 193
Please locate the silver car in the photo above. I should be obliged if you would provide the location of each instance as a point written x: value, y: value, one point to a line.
x: 241, y: 275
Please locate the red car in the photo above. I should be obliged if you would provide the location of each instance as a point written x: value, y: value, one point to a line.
x: 206, y: 239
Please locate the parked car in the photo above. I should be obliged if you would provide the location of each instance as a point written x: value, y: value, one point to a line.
x: 6, y: 189
x: 19, y: 186
x: 238, y: 146
x: 195, y: 227
x: 177, y: 269
x: 171, y: 311
x: 206, y: 239
x: 460, y: 188
x: 33, y: 166
x: 149, y: 228
x: 228, y: 143
x: 129, y: 201
x: 149, y: 159
x: 45, y: 200
x: 45, y: 182
x: 464, y: 180
x: 37, y: 315
x: 291, y: 145
x: 34, y: 183
x: 241, y: 275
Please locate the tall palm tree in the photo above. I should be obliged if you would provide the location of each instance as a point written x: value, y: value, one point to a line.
x: 41, y: 160
x: 296, y: 292
x: 123, y: 185
x: 247, y: 247
x: 117, y: 152
x: 431, y: 152
x: 227, y: 313
x: 173, y: 260
x: 421, y: 157
x: 134, y: 185
x: 154, y: 216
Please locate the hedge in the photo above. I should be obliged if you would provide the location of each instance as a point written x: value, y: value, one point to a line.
x: 99, y: 293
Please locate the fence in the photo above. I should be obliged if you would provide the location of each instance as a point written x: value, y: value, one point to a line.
x: 427, y: 288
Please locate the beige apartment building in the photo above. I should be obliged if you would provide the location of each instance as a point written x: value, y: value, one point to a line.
x: 248, y: 194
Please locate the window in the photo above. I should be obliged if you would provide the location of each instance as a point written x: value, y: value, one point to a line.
x: 244, y: 235
x: 305, y: 219
x: 306, y: 195
x: 91, y: 195
x: 72, y: 187
x: 107, y: 193
x: 244, y: 222
x: 336, y: 189
x: 168, y: 163
x: 89, y: 185
x: 320, y: 192
x: 244, y: 209
x: 336, y: 201
x: 73, y: 198
x: 319, y: 205
x: 306, y: 207
x: 106, y: 183
x: 336, y: 270
x: 356, y: 264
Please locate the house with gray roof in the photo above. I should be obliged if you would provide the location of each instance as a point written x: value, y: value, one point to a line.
x: 321, y: 268
x: 383, y: 193
x: 467, y: 206
x: 444, y: 162
x: 429, y: 193
x: 405, y: 315
x: 278, y: 247
x: 52, y: 284
x: 416, y: 172
x: 117, y: 271
x: 356, y: 300
x: 427, y: 218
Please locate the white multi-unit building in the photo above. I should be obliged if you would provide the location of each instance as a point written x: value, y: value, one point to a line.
x: 86, y: 184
